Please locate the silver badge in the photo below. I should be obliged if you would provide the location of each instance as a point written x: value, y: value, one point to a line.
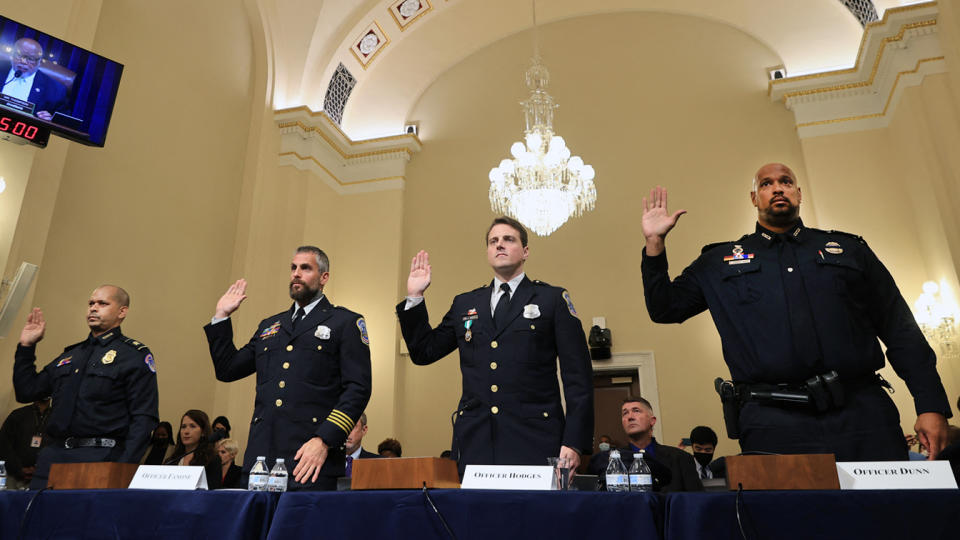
x: 323, y: 332
x: 531, y: 311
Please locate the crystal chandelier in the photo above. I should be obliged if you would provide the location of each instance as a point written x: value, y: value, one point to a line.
x: 542, y: 186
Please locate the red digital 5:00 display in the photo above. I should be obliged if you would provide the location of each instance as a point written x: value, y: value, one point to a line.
x: 34, y: 134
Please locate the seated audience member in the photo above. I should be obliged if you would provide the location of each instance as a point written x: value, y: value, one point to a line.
x: 221, y: 429
x: 703, y: 439
x: 913, y: 440
x: 21, y: 438
x: 194, y: 447
x: 353, y: 448
x: 161, y: 445
x: 390, y: 448
x: 604, y: 444
x: 672, y: 468
x: 231, y: 473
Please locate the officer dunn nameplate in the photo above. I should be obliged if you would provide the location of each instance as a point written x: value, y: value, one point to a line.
x: 532, y: 477
x: 896, y: 475
x: 169, y: 477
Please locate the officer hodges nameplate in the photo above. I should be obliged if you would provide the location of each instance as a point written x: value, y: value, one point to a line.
x: 532, y: 477
x: 896, y: 475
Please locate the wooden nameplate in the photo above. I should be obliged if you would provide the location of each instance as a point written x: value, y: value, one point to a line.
x: 91, y: 475
x: 404, y: 473
x: 803, y: 471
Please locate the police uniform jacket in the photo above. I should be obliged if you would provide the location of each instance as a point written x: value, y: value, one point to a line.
x: 795, y: 305
x: 510, y: 411
x: 102, y: 387
x: 311, y: 382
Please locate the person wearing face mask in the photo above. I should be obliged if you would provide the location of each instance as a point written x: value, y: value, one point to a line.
x: 598, y: 461
x: 161, y: 445
x: 703, y: 441
x: 221, y: 429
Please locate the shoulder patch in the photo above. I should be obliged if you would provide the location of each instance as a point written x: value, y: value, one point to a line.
x: 148, y: 360
x: 569, y: 301
x: 362, y: 326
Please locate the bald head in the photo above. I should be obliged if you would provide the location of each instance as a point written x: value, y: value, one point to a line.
x: 771, y: 169
x: 27, y: 54
x: 118, y: 294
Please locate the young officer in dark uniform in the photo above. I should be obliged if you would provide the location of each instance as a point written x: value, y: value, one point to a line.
x: 104, y: 388
x: 509, y: 342
x: 313, y: 374
x: 799, y: 312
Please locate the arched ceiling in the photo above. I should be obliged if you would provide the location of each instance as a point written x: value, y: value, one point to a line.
x: 309, y: 38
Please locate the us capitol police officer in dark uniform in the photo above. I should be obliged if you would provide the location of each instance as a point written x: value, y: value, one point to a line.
x: 509, y: 335
x: 799, y: 312
x: 313, y: 374
x: 104, y: 388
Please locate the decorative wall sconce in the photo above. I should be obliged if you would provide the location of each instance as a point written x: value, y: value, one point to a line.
x: 937, y: 318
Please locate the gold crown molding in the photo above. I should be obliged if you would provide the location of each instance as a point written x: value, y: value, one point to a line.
x: 863, y: 41
x: 873, y: 72
x: 323, y: 115
x: 886, y: 106
x: 402, y: 27
x: 334, y: 177
x: 333, y: 144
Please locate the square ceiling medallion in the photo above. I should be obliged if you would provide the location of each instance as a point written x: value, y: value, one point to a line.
x: 369, y: 44
x: 405, y: 12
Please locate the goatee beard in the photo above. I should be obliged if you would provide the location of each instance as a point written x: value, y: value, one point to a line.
x: 782, y: 218
x: 305, y: 295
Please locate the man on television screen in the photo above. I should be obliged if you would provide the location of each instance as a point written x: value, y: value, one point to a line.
x: 23, y: 80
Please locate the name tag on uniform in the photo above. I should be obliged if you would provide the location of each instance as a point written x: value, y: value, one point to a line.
x: 35, y: 441
x: 169, y: 477
x: 896, y: 475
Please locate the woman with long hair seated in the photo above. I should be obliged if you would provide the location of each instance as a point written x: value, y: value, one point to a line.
x: 194, y: 447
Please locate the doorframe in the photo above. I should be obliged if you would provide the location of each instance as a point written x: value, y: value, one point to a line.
x: 646, y: 366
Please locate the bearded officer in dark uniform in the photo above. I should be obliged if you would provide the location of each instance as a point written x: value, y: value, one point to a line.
x: 104, y: 388
x: 313, y: 374
x: 801, y: 313
x: 510, y: 335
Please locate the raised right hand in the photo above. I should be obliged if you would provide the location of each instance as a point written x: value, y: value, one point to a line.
x: 231, y: 299
x: 33, y: 331
x: 657, y: 221
x: 419, y: 278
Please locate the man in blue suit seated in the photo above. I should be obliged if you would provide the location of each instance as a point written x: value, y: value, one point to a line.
x: 23, y: 80
x: 510, y: 334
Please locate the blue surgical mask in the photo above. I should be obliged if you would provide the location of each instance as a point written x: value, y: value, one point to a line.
x: 604, y: 447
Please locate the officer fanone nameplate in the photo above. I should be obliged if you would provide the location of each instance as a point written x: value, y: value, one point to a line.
x: 896, y: 475
x: 169, y: 477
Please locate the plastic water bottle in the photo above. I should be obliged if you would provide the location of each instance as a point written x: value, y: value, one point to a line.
x: 3, y: 475
x: 640, y: 477
x: 258, y: 475
x: 278, y: 477
x: 616, y: 473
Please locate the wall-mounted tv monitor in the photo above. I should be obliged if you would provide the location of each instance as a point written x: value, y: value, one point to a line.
x: 49, y: 84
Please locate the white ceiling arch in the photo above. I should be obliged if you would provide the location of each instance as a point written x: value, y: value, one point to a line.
x: 311, y: 37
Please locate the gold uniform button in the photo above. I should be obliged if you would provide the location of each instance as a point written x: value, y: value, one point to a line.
x: 286, y: 365
x: 289, y: 348
x: 283, y: 384
x: 76, y: 370
x: 494, y: 388
x: 545, y: 414
x: 493, y: 365
x: 264, y: 349
x: 493, y: 345
x: 533, y: 327
x: 314, y: 419
x: 279, y: 402
x: 319, y: 347
x: 495, y: 409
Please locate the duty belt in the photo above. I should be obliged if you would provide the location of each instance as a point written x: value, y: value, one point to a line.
x: 820, y: 392
x: 91, y: 442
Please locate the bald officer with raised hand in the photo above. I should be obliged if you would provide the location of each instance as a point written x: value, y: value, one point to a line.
x: 801, y: 313
x: 312, y: 363
x: 104, y: 388
x: 510, y: 335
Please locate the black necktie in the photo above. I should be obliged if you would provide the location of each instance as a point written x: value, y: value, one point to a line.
x: 503, y: 306
x: 297, y: 317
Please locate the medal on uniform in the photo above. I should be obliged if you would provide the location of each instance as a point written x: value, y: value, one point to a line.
x: 469, y: 335
x: 833, y: 248
x: 738, y: 256
x: 108, y: 358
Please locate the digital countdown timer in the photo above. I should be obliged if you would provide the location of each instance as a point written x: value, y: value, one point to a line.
x: 25, y: 128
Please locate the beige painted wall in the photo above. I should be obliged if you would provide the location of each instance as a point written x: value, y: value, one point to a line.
x: 689, y: 113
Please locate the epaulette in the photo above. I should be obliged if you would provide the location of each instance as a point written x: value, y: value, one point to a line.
x: 484, y: 286
x: 133, y: 343
x: 68, y: 347
x: 342, y: 308
x: 856, y: 237
x: 543, y: 283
